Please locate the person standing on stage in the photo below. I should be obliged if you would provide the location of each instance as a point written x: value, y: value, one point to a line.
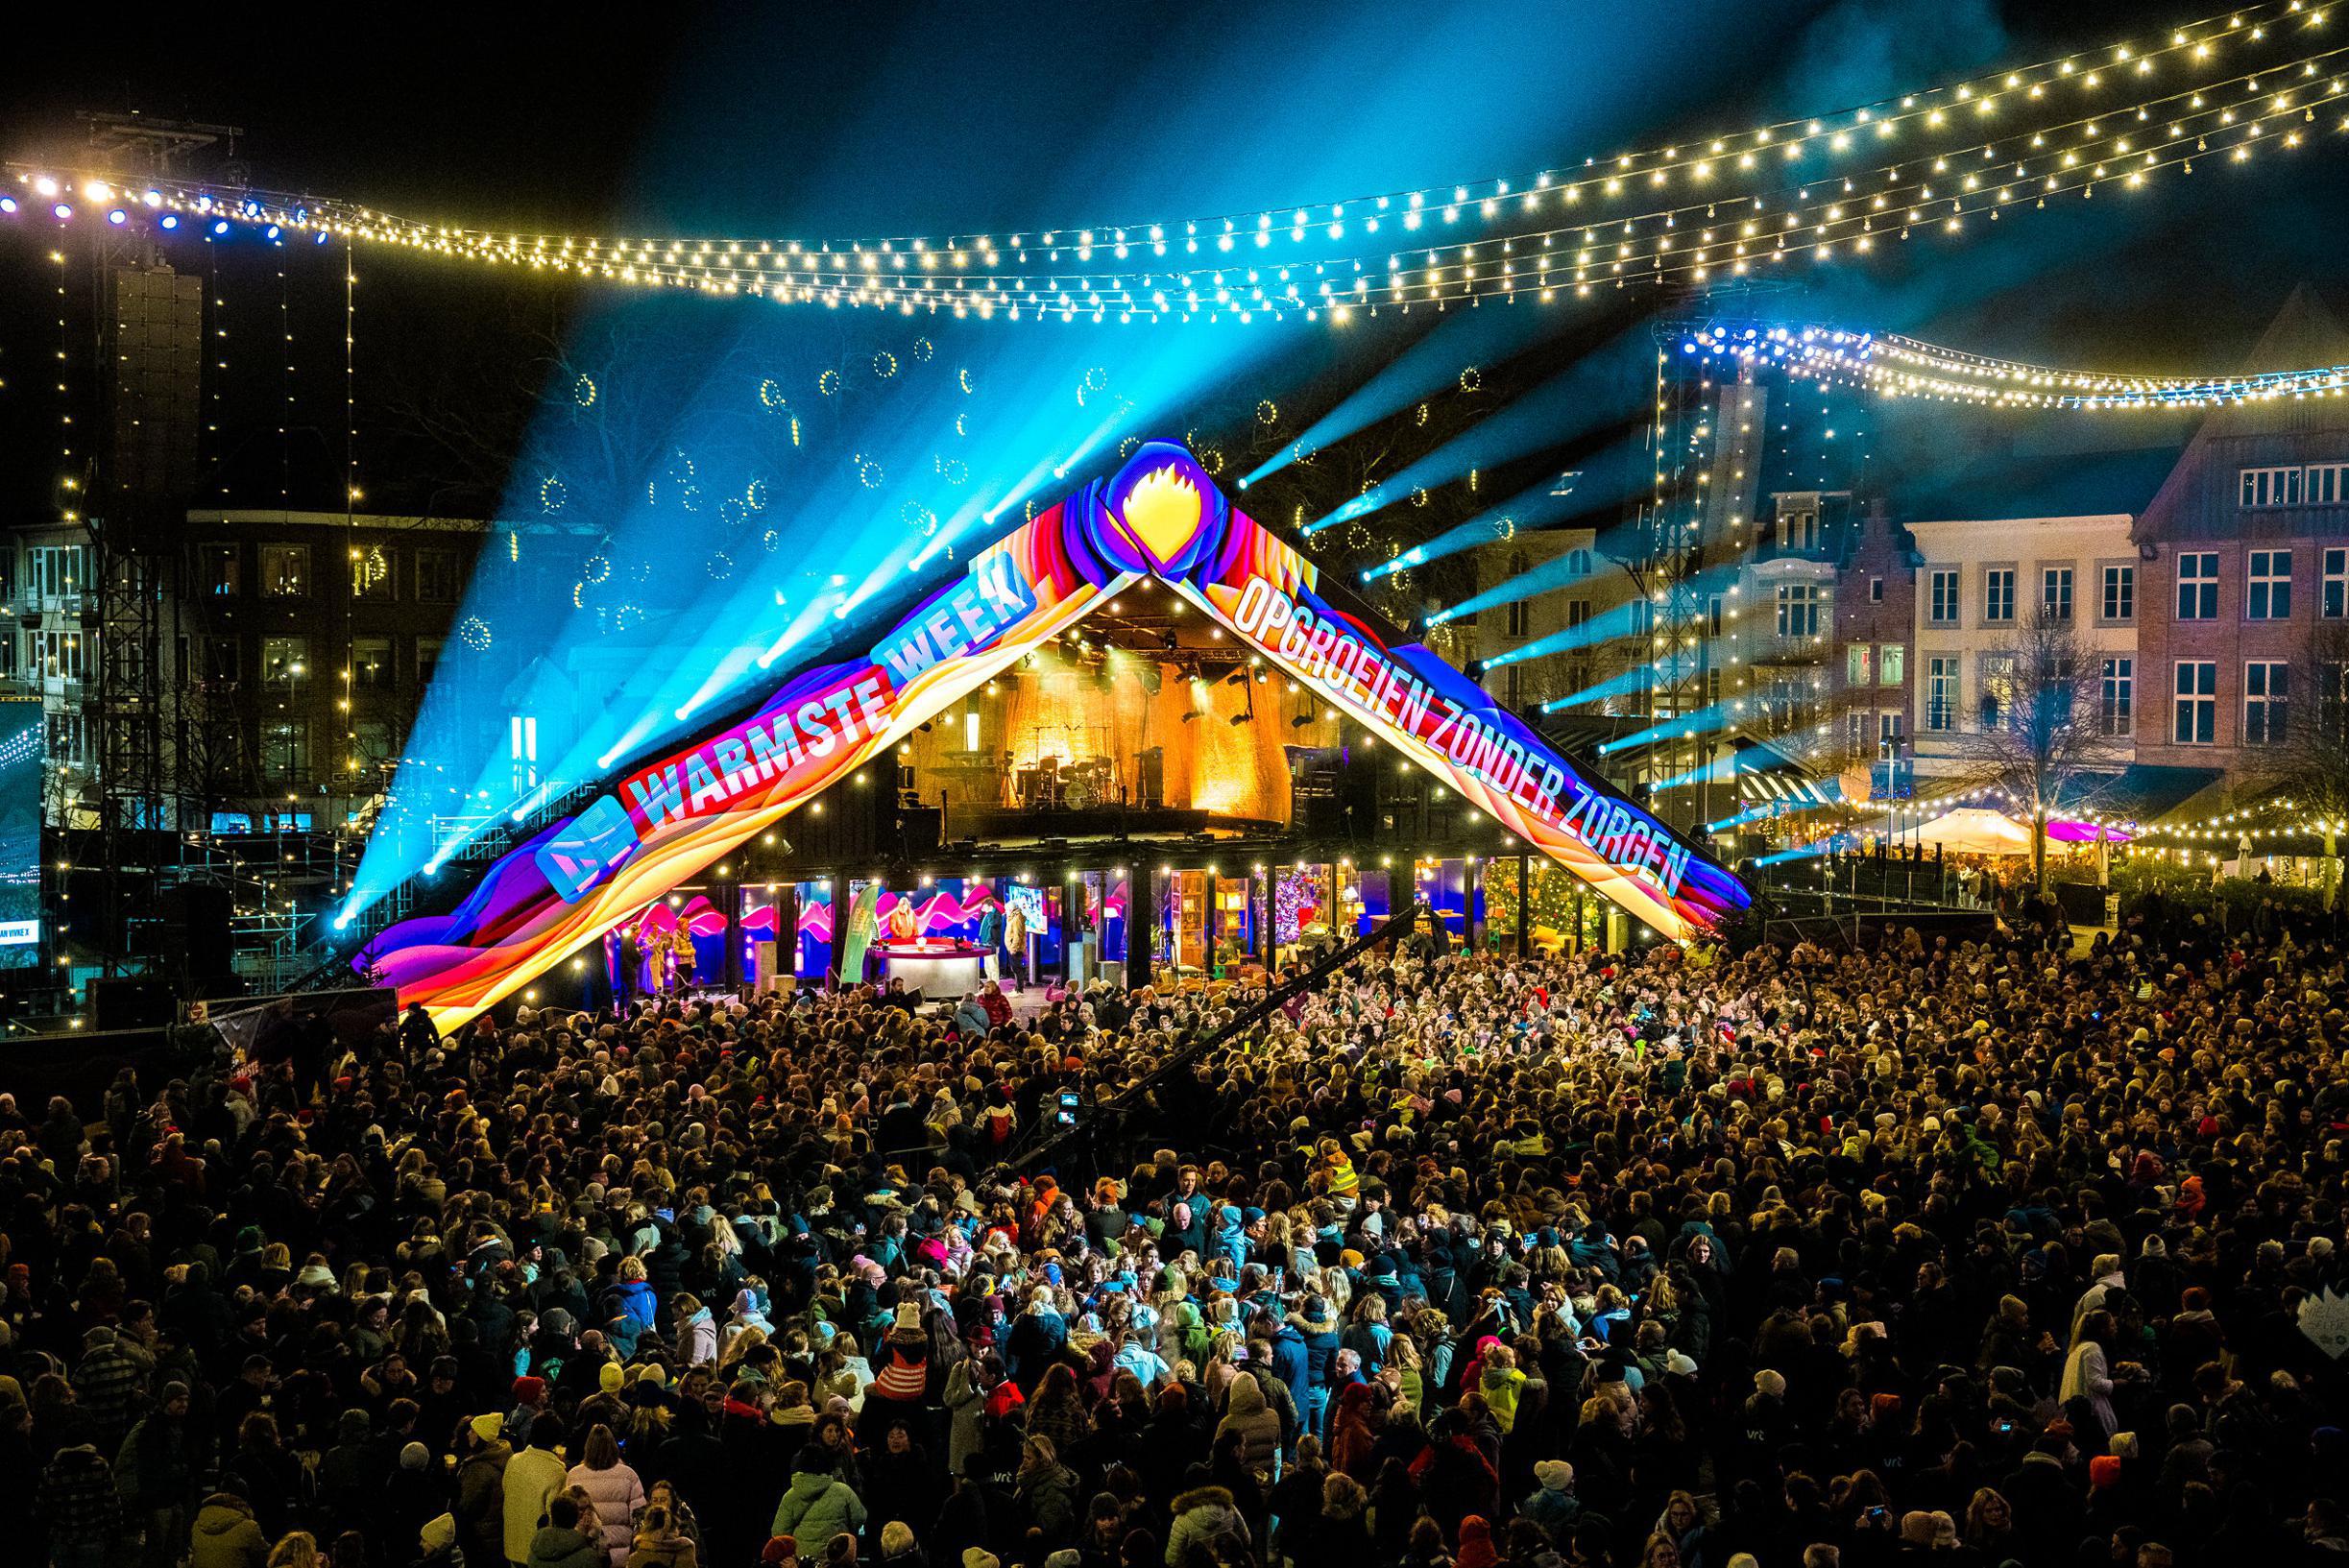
x: 1015, y: 938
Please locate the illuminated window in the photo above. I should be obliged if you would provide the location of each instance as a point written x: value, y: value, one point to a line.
x: 371, y: 663
x: 286, y: 571
x: 1858, y: 664
x: 1941, y: 692
x: 1892, y: 668
x: 220, y: 570
x: 285, y: 752
x: 1997, y: 691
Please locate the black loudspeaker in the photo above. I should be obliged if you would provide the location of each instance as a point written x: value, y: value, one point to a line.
x: 132, y: 1002
x: 195, y: 924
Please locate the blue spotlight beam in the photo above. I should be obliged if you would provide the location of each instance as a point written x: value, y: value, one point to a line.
x: 1530, y: 508
x: 1631, y: 680
x: 1680, y: 728
x: 1463, y: 338
x: 1585, y: 396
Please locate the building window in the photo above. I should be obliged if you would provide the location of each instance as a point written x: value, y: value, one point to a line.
x: 2055, y: 593
x: 2119, y: 594
x: 1712, y: 685
x: 2197, y: 715
x: 370, y: 573
x: 1517, y: 618
x: 56, y: 654
x: 285, y: 752
x: 371, y: 745
x: 1857, y: 664
x: 285, y: 664
x: 427, y: 661
x: 54, y: 570
x: 1892, y: 667
x: 2333, y: 602
x: 220, y: 570
x: 286, y: 571
x: 2333, y: 702
x: 1998, y: 595
x: 1941, y: 692
x: 8, y: 653
x: 2267, y: 588
x: 2328, y: 484
x: 223, y: 660
x: 1797, y: 530
x: 371, y: 663
x: 1512, y: 686
x: 1798, y: 609
x: 1577, y: 612
x: 1875, y: 591
x: 1888, y: 727
x: 2198, y: 586
x: 1716, y: 607
x: 1941, y: 596
x: 1997, y: 690
x: 2271, y: 486
x: 2267, y: 689
x: 1578, y: 563
x: 2117, y: 703
x: 436, y: 577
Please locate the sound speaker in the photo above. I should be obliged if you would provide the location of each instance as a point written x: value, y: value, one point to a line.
x: 130, y: 1001
x: 196, y: 927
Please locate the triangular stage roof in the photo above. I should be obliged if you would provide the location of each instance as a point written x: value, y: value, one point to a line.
x: 1160, y: 516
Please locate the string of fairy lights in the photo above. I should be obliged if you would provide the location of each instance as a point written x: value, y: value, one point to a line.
x: 1758, y: 197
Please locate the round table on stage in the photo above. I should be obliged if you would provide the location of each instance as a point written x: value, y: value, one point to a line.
x: 939, y: 967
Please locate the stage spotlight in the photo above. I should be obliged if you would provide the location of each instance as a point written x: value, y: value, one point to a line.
x: 924, y: 726
x: 1189, y: 714
x: 1238, y: 677
x: 1244, y: 719
x: 1302, y: 719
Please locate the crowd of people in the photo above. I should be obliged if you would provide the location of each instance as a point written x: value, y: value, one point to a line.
x: 1959, y: 1253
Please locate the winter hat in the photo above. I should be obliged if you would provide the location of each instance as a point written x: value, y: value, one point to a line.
x: 613, y: 1378
x: 439, y: 1534
x: 908, y: 1317
x: 415, y: 1457
x: 315, y: 1276
x: 779, y: 1549
x: 651, y: 1375
x: 489, y: 1428
x: 2104, y: 1472
x: 530, y: 1390
x: 1554, y: 1475
x: 978, y: 1556
x: 1678, y: 1364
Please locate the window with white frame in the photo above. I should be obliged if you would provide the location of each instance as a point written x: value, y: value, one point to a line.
x: 1941, y: 692
x: 1577, y: 612
x: 2328, y: 484
x: 2267, y: 586
x: 1997, y: 691
x: 2194, y: 718
x: 1578, y: 563
x: 56, y: 654
x: 2055, y: 593
x: 2271, y: 486
x: 1797, y: 529
x: 2116, y: 698
x: 1857, y: 664
x: 2198, y: 585
x: 2333, y: 594
x: 1514, y: 622
x: 1798, y: 609
x: 2266, y: 694
x: 8, y: 653
x: 1875, y: 591
x: 286, y: 571
x: 54, y: 572
x: 2119, y: 602
x: 1998, y: 595
x: 1892, y: 664
x: 1941, y: 596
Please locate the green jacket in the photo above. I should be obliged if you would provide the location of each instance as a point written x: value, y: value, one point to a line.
x: 552, y: 1548
x: 815, y: 1507
x: 227, y: 1535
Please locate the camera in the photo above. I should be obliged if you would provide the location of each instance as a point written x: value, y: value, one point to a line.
x: 1066, y: 1115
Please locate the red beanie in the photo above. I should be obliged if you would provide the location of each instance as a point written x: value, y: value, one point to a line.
x: 2104, y: 1471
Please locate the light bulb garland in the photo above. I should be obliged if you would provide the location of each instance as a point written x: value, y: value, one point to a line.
x: 1022, y: 277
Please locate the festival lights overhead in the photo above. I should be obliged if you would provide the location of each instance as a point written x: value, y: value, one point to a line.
x: 2114, y: 115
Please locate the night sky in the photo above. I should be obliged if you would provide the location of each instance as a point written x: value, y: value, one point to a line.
x: 828, y: 120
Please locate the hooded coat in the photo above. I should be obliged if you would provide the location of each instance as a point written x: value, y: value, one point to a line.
x: 1256, y: 1422
x: 816, y: 1507
x: 227, y: 1535
x: 1202, y: 1516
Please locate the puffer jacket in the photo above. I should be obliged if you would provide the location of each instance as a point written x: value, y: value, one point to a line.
x: 1201, y: 1517
x: 1256, y: 1422
x: 227, y: 1535
x: 817, y: 1507
x: 617, y: 1494
x: 532, y: 1477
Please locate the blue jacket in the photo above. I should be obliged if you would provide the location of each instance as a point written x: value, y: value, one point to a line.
x: 1292, y: 1363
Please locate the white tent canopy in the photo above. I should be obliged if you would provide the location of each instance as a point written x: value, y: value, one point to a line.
x: 1974, y: 829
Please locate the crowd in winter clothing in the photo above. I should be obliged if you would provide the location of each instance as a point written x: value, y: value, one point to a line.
x: 1950, y: 1252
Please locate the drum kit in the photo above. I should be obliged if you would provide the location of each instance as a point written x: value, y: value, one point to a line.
x: 1074, y: 787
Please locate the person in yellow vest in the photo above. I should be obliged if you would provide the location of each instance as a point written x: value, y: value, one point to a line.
x: 1344, y: 1182
x: 681, y: 953
x: 1016, y: 939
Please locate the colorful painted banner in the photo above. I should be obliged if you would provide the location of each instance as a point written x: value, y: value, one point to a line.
x: 1158, y: 516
